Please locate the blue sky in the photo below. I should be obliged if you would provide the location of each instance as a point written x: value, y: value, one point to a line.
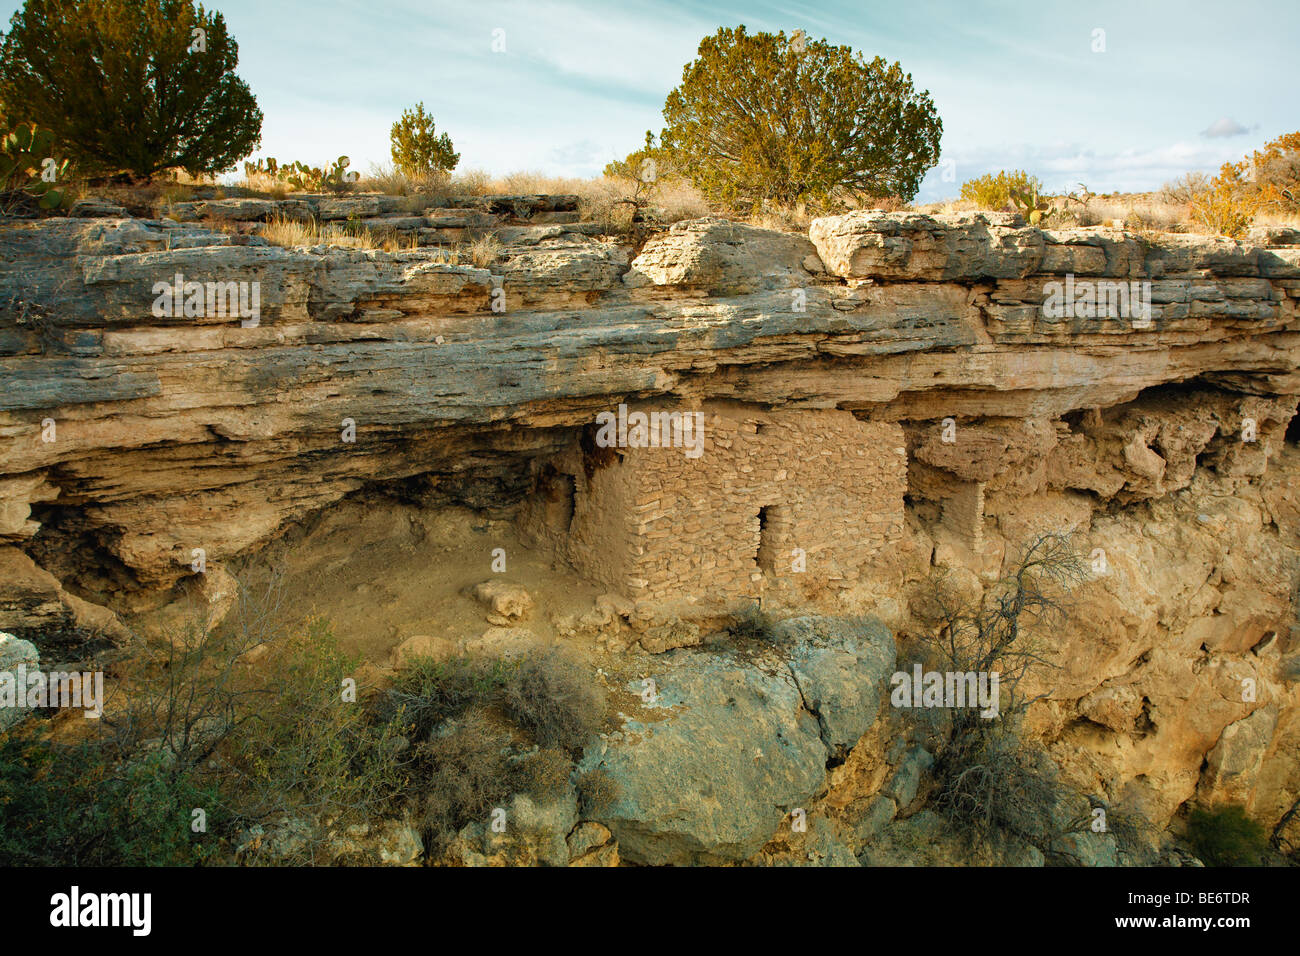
x: 1016, y: 83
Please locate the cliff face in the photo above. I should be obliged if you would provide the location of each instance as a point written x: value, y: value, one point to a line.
x: 996, y: 375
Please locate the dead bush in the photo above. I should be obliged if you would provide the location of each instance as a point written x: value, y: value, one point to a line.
x: 428, y: 691
x: 597, y: 791
x: 554, y: 702
x: 987, y: 777
x: 543, y: 773
x: 458, y: 775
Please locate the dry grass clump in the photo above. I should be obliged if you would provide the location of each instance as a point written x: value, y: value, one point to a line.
x: 391, y: 181
x: 265, y: 185
x: 484, y: 251
x: 1142, y: 212
x: 610, y: 200
x: 598, y: 790
x: 544, y: 773
x: 1288, y: 220
x: 947, y: 207
x: 471, y: 182
x: 282, y: 231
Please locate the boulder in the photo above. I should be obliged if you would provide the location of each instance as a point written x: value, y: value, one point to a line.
x: 840, y: 666
x: 723, y: 255
x: 535, y: 834
x: 237, y: 210
x: 507, y: 642
x: 383, y: 843
x: 724, y: 752
x: 92, y: 208
x: 15, y: 653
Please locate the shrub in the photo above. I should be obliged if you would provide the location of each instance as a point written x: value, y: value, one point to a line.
x: 1228, y: 206
x: 193, y: 728
x: 83, y: 804
x: 994, y: 190
x: 556, y: 704
x: 417, y: 149
x: 92, y: 71
x: 1267, y: 180
x: 463, y: 715
x: 598, y: 790
x: 459, y: 774
x: 430, y: 691
x: 543, y: 773
x: 986, y: 777
x: 485, y: 250
x: 765, y: 116
x: 425, y: 189
x: 304, y: 749
x: 1225, y: 836
x: 1185, y: 188
x: 1276, y: 172
x: 649, y: 164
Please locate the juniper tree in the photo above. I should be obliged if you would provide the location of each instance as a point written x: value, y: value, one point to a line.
x: 767, y: 117
x: 134, y: 86
x: 418, y: 148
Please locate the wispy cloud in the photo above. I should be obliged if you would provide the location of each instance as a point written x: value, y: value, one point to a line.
x: 1224, y: 127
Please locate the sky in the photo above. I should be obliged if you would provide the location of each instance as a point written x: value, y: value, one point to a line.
x: 1122, y: 96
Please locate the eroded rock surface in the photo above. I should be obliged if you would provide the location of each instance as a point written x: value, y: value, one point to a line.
x: 134, y: 440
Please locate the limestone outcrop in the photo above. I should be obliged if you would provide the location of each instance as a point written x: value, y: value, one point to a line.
x: 175, y: 396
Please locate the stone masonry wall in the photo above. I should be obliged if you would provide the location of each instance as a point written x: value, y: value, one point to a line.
x: 659, y: 526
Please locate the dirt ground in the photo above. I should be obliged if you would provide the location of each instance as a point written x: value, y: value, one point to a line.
x: 382, y: 573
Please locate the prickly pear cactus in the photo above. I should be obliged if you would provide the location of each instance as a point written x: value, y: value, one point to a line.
x: 28, y: 168
x: 1029, y: 204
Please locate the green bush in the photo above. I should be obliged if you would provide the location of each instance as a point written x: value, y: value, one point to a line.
x: 130, y: 85
x: 302, y: 749
x: 428, y: 691
x: 84, y: 805
x: 1225, y: 836
x: 416, y: 146
x: 197, y: 729
x: 281, y: 744
x: 764, y: 116
x: 994, y: 190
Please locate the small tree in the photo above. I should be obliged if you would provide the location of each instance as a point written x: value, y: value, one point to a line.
x: 643, y: 170
x: 647, y: 165
x: 770, y: 117
x: 987, y: 777
x: 417, y: 149
x: 130, y: 85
